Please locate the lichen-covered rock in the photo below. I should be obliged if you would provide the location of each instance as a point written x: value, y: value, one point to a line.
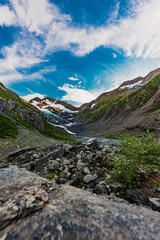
x: 32, y: 208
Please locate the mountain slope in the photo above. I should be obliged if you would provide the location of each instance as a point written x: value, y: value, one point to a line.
x: 25, y: 115
x: 126, y: 108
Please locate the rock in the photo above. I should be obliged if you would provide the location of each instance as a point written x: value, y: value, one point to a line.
x: 53, y: 165
x: 81, y: 166
x: 89, y: 178
x: 86, y: 170
x: 94, y: 145
x: 66, y: 162
x: 154, y: 203
x: 77, y: 181
x: 135, y: 196
x: 99, y: 189
x: 58, y: 154
x: 18, y: 153
x: 33, y: 208
x: 116, y: 187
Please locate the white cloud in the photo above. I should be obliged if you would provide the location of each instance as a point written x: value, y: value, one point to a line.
x: 114, y: 55
x: 31, y: 96
x: 73, y: 78
x: 10, y: 77
x: 78, y: 95
x: 137, y: 35
x: 7, y: 17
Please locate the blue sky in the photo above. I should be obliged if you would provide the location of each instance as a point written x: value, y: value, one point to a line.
x: 76, y: 49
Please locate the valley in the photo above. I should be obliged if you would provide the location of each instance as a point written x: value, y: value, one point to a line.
x: 106, y: 150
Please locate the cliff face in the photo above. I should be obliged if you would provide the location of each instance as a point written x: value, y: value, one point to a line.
x: 135, y: 105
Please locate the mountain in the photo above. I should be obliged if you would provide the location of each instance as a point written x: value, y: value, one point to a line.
x: 59, y: 113
x: 132, y: 107
x: 16, y: 113
x: 52, y: 105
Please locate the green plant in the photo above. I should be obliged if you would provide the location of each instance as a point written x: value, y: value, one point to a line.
x: 49, y: 176
x: 135, y: 154
x: 7, y: 127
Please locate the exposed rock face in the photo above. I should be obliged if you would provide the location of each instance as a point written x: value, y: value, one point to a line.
x: 29, y: 116
x: 32, y: 208
x: 7, y: 105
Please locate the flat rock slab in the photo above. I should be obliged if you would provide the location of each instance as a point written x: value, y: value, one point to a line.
x: 32, y: 208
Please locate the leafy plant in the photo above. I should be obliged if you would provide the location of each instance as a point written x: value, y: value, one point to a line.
x: 135, y: 154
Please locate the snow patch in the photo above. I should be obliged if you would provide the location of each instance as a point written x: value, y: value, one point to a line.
x: 92, y: 106
x: 63, y: 127
x: 133, y: 85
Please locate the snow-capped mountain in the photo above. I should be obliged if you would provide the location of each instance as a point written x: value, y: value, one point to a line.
x: 59, y: 113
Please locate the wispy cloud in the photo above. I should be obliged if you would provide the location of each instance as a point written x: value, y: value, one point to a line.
x: 45, y: 29
x: 78, y: 95
x: 73, y: 78
x: 31, y: 96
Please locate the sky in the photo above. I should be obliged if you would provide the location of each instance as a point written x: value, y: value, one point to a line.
x: 74, y: 50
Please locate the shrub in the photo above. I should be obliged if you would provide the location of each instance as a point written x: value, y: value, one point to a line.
x: 135, y: 154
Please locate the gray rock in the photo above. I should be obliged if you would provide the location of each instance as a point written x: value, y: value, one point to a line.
x: 81, y: 166
x: 53, y: 165
x: 58, y: 154
x: 99, y: 189
x: 135, y: 196
x: 86, y: 170
x: 89, y: 178
x: 66, y: 162
x: 32, y: 208
x: 154, y: 203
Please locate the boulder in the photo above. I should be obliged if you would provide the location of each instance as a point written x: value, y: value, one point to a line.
x: 33, y: 208
x: 89, y: 178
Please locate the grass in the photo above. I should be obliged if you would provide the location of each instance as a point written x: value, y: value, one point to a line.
x: 7, y: 127
x: 115, y: 101
x: 136, y: 155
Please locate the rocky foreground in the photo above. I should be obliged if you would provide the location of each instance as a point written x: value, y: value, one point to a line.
x: 33, y: 208
x: 84, y: 165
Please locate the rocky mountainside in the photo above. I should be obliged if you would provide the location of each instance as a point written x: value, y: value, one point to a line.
x: 14, y: 111
x: 133, y: 107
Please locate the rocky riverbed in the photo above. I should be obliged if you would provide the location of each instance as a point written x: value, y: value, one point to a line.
x: 83, y: 164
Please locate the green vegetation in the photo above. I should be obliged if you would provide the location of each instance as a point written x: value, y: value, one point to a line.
x: 49, y: 176
x: 112, y: 103
x: 106, y: 105
x: 53, y: 132
x: 7, y: 127
x: 142, y: 128
x: 49, y: 130
x: 136, y: 155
